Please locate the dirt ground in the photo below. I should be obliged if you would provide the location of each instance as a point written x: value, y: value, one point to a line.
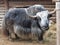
x: 49, y: 39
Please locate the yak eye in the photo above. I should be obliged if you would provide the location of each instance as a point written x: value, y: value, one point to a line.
x: 50, y: 15
x: 38, y: 18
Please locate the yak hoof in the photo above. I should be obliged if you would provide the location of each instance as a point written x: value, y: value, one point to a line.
x: 40, y: 38
x: 11, y: 39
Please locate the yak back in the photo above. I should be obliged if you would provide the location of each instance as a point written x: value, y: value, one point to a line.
x: 18, y: 16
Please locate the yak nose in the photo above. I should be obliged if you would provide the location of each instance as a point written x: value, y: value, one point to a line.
x: 45, y: 27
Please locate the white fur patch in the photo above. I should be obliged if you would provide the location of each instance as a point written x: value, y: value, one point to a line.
x: 11, y: 9
x: 42, y: 14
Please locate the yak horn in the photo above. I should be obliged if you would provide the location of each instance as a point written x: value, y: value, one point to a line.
x: 32, y: 16
x: 52, y: 11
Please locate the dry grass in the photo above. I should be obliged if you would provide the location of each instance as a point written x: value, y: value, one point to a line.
x: 49, y: 39
x: 50, y: 35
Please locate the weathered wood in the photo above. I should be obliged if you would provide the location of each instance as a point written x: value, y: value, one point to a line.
x: 6, y: 4
x: 50, y: 9
x: 58, y: 21
x: 2, y: 5
x: 52, y: 17
x: 1, y: 19
x: 1, y: 2
x: 2, y: 13
x: 49, y: 6
x: 56, y: 0
x: 3, y: 10
x: 31, y: 3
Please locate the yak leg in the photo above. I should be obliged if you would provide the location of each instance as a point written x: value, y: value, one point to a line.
x: 11, y: 33
x: 16, y: 37
x: 40, y: 38
x: 16, y: 27
x: 10, y: 36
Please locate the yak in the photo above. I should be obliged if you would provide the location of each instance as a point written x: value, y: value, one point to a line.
x: 27, y: 23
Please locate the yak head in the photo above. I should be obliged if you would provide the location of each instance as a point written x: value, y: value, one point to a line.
x: 42, y: 19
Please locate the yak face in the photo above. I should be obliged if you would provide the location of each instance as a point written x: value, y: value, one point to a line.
x: 43, y: 20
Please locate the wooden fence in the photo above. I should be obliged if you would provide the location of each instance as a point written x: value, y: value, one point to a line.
x: 11, y: 4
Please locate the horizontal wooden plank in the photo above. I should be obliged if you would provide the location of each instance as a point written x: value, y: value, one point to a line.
x: 46, y: 6
x: 3, y: 8
x: 1, y: 22
x: 1, y: 19
x: 53, y: 18
x: 2, y: 4
x: 30, y: 0
x: 2, y: 13
x: 49, y: 6
x: 54, y: 15
x: 30, y: 3
x: 0, y: 27
x: 50, y: 9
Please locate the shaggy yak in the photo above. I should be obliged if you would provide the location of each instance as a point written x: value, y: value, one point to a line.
x: 27, y: 23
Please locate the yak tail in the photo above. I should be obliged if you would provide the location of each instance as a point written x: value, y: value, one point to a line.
x: 5, y: 31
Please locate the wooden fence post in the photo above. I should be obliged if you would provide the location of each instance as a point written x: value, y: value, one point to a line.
x: 58, y: 21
